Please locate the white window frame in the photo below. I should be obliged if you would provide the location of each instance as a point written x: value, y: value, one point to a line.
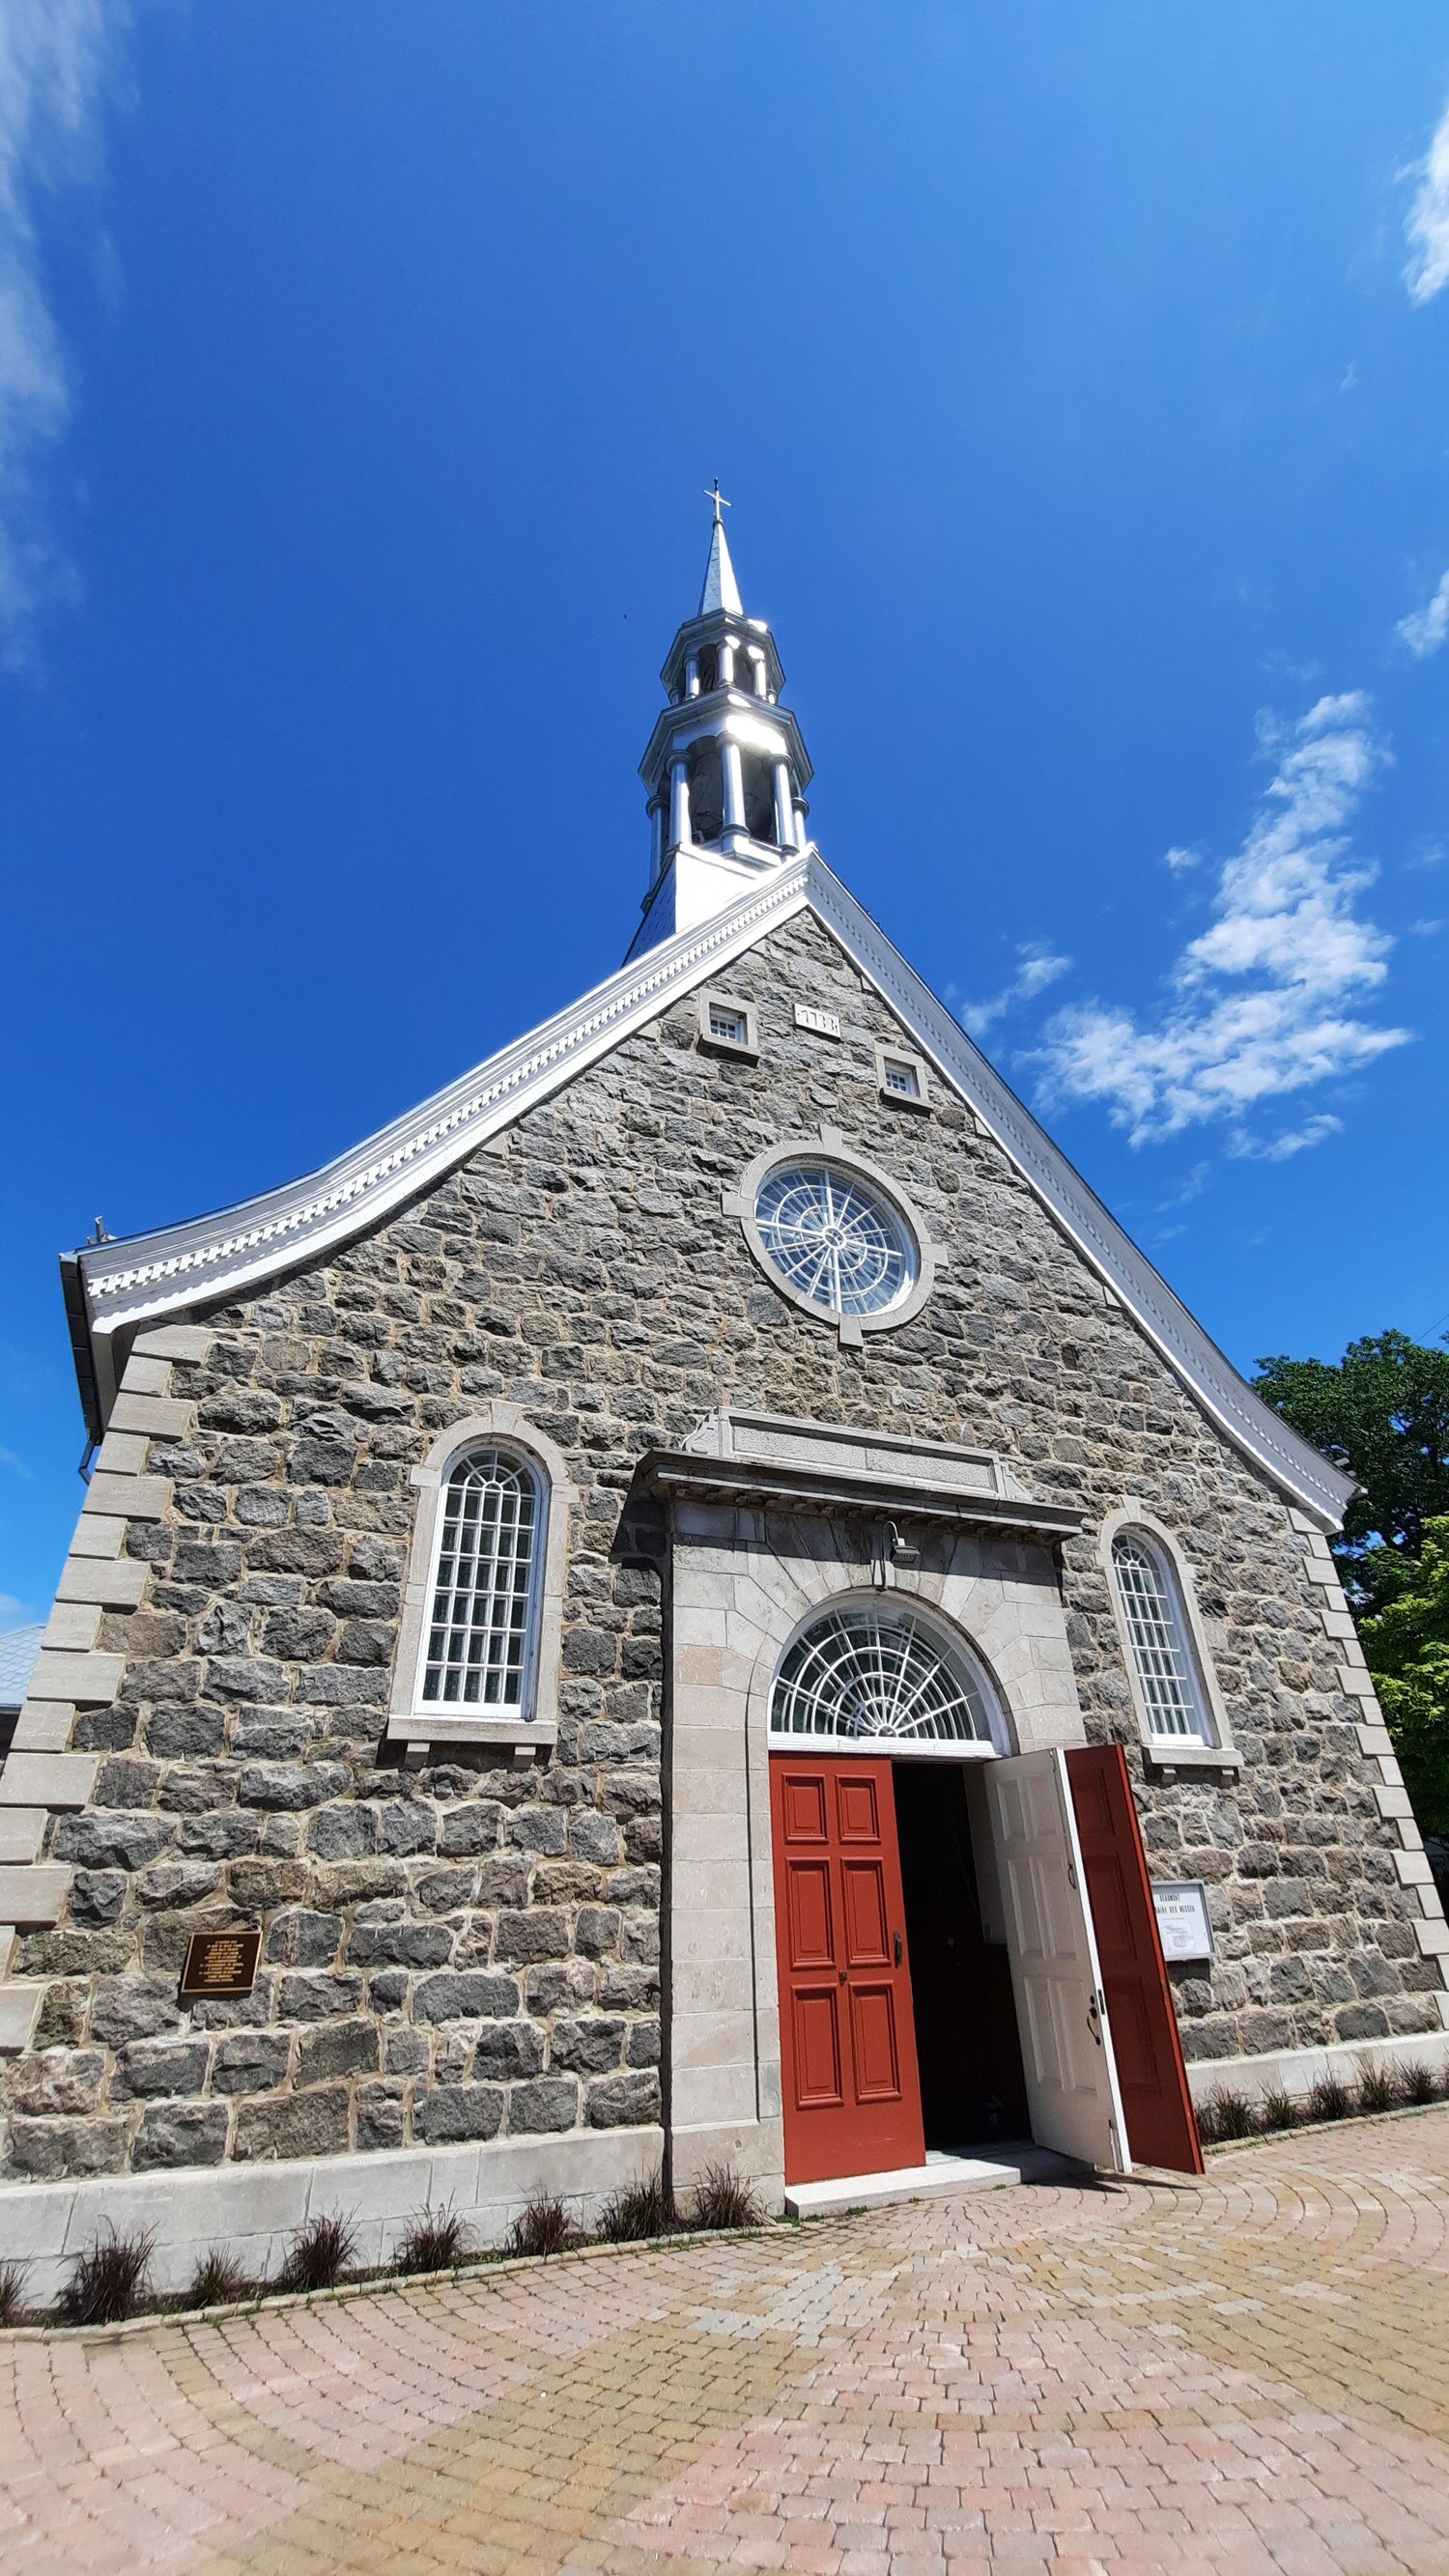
x: 747, y: 1046
x: 829, y: 1145
x: 1214, y: 1749
x: 950, y: 1640
x: 885, y: 1056
x: 533, y: 1727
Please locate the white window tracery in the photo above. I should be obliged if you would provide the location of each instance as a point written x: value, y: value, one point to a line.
x: 1157, y: 1629
x: 839, y: 1244
x: 861, y: 1674
x: 481, y: 1644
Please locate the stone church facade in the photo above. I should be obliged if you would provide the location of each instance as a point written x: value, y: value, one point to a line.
x: 527, y: 1938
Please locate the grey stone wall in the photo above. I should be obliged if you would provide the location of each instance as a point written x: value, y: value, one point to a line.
x: 471, y: 1951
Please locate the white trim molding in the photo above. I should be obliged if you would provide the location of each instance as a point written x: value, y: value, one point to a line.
x: 420, y: 1723
x: 1169, y: 1753
x: 829, y: 1145
x: 115, y: 1286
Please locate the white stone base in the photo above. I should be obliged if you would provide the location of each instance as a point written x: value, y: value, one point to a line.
x: 941, y: 2177
x: 1295, y: 2071
x: 251, y: 2210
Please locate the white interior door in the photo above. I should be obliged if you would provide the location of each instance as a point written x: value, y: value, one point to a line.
x: 1066, y: 2045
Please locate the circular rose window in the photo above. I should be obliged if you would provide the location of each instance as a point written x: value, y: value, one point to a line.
x: 837, y: 1242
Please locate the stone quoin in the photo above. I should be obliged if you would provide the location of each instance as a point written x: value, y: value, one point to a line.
x: 729, y: 1374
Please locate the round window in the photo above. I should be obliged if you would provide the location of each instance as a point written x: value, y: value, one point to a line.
x: 835, y: 1240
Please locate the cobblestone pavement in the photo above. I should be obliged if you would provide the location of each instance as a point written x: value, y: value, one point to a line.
x: 1249, y: 2374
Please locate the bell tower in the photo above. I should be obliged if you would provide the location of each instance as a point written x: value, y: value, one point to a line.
x: 726, y: 768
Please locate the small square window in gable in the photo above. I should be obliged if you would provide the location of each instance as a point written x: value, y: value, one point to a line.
x: 903, y: 1079
x: 727, y: 1026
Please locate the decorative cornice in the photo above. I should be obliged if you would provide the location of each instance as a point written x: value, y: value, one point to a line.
x: 151, y: 1274
x: 779, y: 1486
x: 211, y: 1258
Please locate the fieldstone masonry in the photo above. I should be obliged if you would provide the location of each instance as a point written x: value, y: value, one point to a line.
x: 471, y: 1950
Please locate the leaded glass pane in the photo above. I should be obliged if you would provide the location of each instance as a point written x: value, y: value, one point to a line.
x: 863, y: 1673
x: 837, y: 1243
x: 1159, y: 1647
x: 478, y: 1639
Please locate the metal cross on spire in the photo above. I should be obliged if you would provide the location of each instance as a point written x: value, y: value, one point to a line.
x: 720, y: 503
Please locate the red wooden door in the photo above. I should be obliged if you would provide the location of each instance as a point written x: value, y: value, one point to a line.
x: 847, y: 2037
x: 1156, y: 2103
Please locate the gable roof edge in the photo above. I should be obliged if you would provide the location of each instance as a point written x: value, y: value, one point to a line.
x: 1193, y: 1357
x: 117, y: 1286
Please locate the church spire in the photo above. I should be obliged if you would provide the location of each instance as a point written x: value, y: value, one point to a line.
x: 726, y: 769
x: 721, y: 590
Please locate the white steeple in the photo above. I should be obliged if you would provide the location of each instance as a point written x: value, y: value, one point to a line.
x: 726, y: 768
x: 721, y: 590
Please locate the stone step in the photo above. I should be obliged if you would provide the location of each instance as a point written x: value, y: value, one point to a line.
x: 941, y: 2177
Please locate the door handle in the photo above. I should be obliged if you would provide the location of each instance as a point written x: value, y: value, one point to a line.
x: 842, y: 1976
x: 1094, y: 2021
x: 899, y: 1951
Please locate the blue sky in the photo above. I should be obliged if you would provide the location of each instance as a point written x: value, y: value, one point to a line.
x: 1078, y: 377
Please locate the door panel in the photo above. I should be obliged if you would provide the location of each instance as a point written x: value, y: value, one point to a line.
x: 851, y: 2087
x: 812, y: 1941
x: 1066, y: 2039
x: 817, y: 2043
x: 1161, y: 2129
x: 873, y: 2030
x: 866, y: 1933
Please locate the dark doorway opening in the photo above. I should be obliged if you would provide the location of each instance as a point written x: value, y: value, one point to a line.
x: 973, y: 2090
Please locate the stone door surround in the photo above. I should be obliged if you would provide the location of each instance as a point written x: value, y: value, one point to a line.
x: 771, y: 1520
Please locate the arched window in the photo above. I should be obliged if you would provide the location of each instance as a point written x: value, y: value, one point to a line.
x: 1168, y: 1677
x: 481, y: 1645
x: 863, y: 1675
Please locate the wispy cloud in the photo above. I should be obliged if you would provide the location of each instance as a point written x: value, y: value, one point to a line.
x: 16, y: 1466
x: 1425, y: 629
x: 53, y: 56
x: 1180, y: 860
x: 1294, y: 1140
x: 1426, y: 226
x: 1263, y: 1000
x: 1039, y: 967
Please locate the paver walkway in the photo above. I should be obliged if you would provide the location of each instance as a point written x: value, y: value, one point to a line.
x: 1248, y: 2374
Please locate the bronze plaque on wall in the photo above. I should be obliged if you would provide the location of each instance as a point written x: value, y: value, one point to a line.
x: 220, y: 1963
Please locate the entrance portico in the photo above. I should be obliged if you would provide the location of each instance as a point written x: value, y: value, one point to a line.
x: 772, y: 1521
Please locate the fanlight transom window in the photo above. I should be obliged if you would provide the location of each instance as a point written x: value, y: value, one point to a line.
x: 481, y: 1632
x: 836, y: 1241
x: 863, y: 1674
x: 1166, y: 1669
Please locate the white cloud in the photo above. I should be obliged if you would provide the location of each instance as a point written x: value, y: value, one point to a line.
x: 1295, y: 1140
x: 1263, y: 1000
x: 1180, y: 860
x: 1426, y: 628
x: 1039, y: 967
x: 53, y: 54
x: 1426, y: 226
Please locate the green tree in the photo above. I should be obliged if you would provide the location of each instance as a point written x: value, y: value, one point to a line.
x: 1382, y: 1415
x: 1406, y: 1647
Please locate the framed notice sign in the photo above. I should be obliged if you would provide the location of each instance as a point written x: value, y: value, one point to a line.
x: 220, y: 1963
x: 1182, y: 1918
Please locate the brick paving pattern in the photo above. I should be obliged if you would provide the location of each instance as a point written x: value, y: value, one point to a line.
x: 1251, y: 2374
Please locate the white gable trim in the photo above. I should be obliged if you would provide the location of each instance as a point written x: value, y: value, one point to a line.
x: 1211, y: 1376
x: 179, y: 1267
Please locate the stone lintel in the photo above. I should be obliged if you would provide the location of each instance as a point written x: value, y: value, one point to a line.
x: 674, y: 1473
